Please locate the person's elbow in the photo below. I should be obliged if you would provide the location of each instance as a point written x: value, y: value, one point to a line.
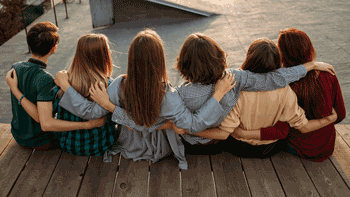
x: 46, y: 126
x: 341, y: 117
x: 37, y: 120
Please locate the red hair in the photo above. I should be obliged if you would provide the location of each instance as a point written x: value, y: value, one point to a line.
x: 296, y: 48
x: 144, y: 85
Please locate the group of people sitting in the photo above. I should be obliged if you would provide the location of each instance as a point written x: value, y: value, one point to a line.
x: 251, y: 112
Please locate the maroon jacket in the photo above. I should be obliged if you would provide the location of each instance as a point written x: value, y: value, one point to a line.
x: 317, y: 145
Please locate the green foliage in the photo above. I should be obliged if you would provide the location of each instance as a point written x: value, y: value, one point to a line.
x: 10, y: 18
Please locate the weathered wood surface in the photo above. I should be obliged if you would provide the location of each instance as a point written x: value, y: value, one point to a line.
x: 25, y: 172
x: 5, y: 136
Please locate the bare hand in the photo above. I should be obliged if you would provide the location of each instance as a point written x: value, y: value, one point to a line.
x: 179, y: 130
x: 322, y: 67
x: 226, y: 83
x: 61, y: 80
x: 97, y: 122
x: 170, y: 125
x: 11, y: 79
x: 98, y: 93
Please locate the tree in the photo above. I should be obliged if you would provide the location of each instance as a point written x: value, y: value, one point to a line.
x: 10, y: 18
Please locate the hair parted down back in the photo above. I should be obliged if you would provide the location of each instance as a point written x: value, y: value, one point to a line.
x: 92, y: 62
x: 201, y: 60
x: 144, y: 85
x: 42, y: 37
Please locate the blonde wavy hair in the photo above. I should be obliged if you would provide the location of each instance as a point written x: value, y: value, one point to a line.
x: 92, y: 62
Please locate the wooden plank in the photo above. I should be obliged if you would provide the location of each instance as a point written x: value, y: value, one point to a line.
x: 198, y: 179
x: 293, y: 176
x: 37, y: 173
x: 68, y: 175
x: 165, y: 178
x: 229, y: 175
x: 344, y: 131
x: 12, y: 162
x: 341, y: 157
x: 5, y: 136
x: 262, y: 178
x: 132, y: 179
x: 99, y: 178
x: 326, y: 178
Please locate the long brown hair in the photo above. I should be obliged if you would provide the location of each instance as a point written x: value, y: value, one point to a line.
x: 92, y: 62
x: 296, y: 48
x: 262, y: 56
x: 144, y: 85
x: 201, y: 60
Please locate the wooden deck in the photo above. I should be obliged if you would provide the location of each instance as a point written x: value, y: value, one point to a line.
x: 25, y: 172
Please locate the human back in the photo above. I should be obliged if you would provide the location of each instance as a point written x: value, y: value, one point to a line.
x: 318, y: 92
x: 91, y: 63
x: 35, y: 83
x: 257, y: 110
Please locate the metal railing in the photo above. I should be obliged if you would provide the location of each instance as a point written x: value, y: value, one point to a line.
x: 54, y: 10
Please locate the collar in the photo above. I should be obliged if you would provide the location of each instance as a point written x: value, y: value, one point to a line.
x: 35, y: 61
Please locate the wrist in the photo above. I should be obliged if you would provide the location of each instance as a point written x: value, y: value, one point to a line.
x: 64, y: 87
x: 218, y: 96
x: 16, y: 93
x: 309, y: 66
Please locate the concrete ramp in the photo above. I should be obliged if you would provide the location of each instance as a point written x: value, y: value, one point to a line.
x: 182, y: 7
x: 109, y: 12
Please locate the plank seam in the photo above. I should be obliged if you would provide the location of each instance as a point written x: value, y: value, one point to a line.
x: 307, y: 172
x: 212, y: 176
x: 6, y: 146
x: 278, y: 177
x: 19, y: 174
x: 339, y: 174
x: 116, y: 177
x: 245, y: 177
x: 343, y: 138
x: 82, y: 178
x: 52, y: 172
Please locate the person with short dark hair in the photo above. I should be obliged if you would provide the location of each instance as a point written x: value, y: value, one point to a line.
x: 31, y: 93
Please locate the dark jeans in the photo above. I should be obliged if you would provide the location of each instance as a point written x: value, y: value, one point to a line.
x: 246, y: 150
x: 212, y: 148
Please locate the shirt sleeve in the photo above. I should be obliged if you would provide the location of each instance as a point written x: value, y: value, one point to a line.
x: 292, y: 112
x: 44, y: 86
x: 174, y: 109
x: 73, y: 102
x: 279, y: 131
x: 280, y: 78
x: 338, y: 103
x: 231, y: 122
